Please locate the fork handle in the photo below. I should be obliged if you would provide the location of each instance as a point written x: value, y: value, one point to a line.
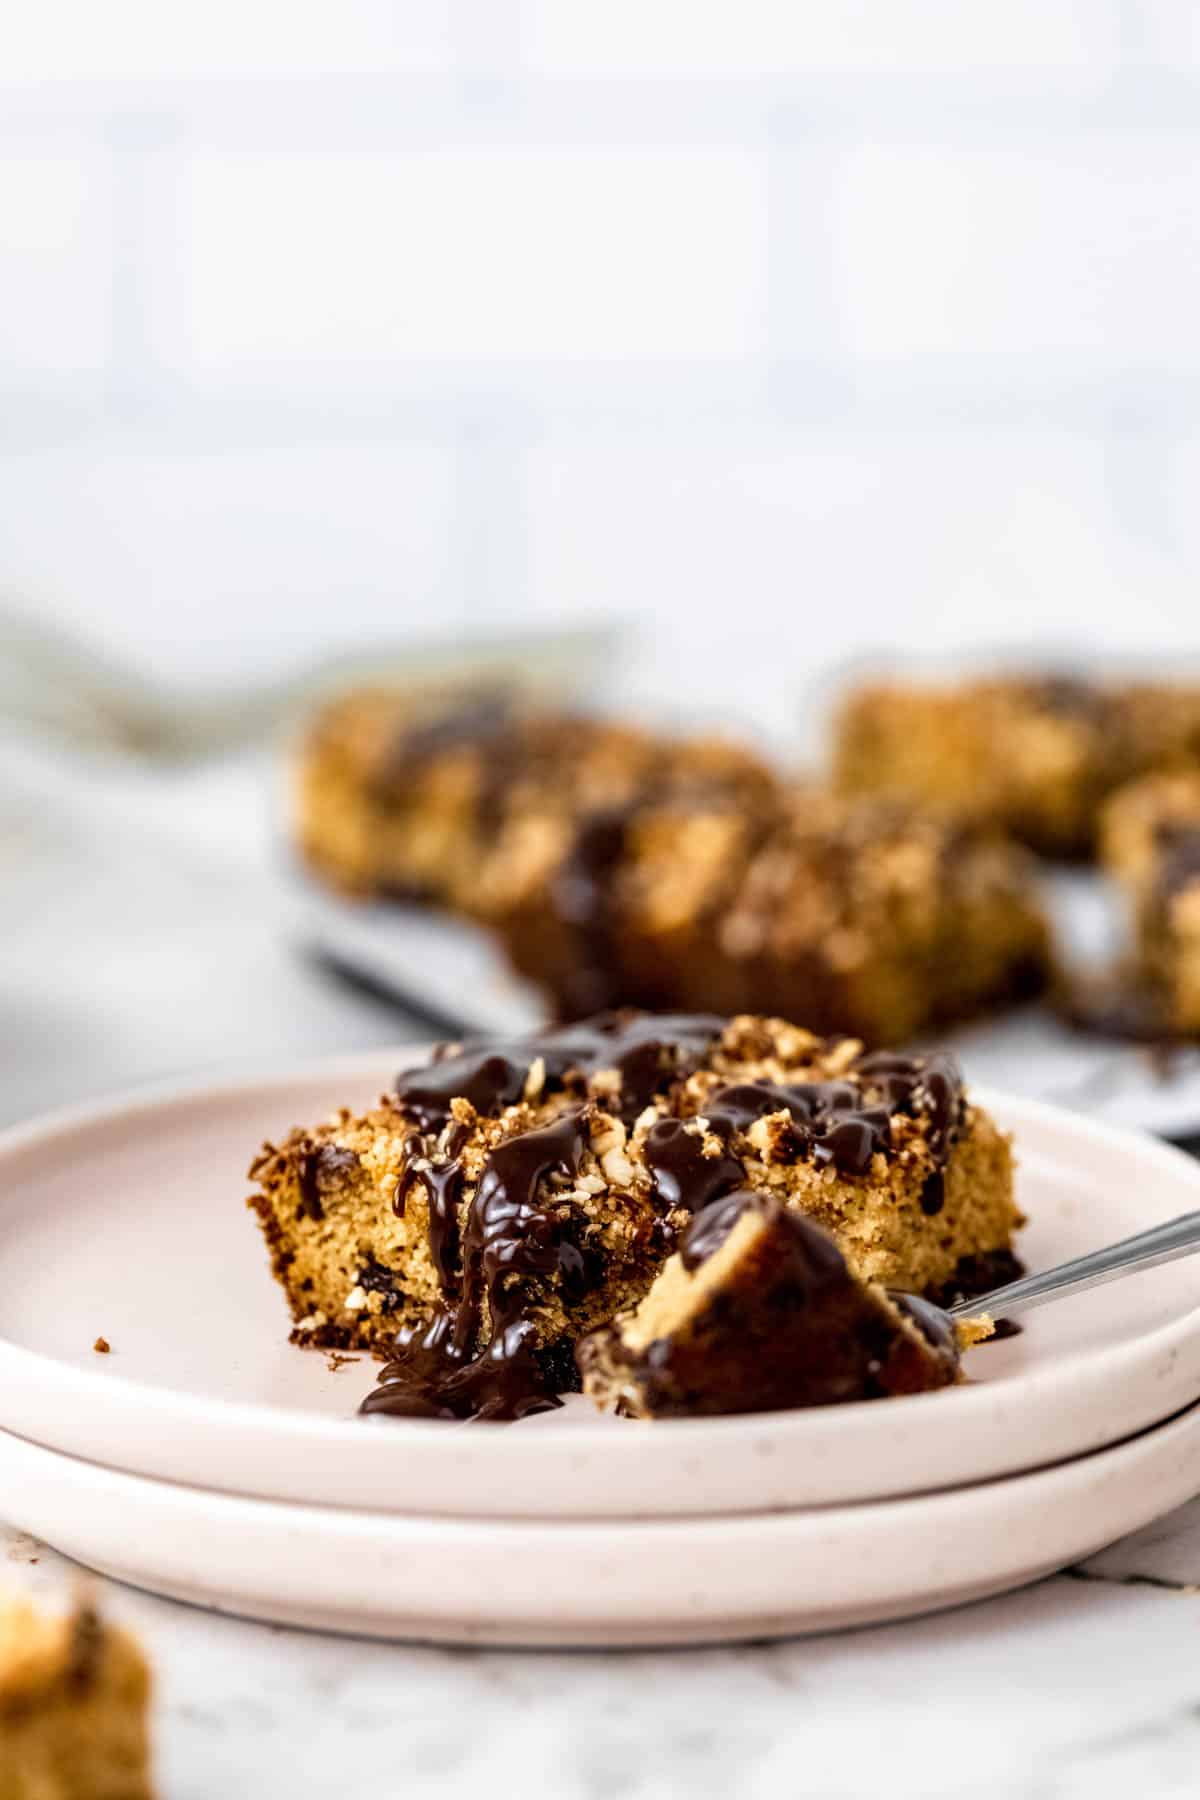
x: 1161, y: 1244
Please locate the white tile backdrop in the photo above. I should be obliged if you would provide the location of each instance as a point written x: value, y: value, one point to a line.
x: 788, y: 329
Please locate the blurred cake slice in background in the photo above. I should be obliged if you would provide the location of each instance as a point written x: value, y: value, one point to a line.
x: 758, y: 1312
x: 1151, y: 845
x: 412, y: 800
x: 620, y: 867
x: 1034, y: 755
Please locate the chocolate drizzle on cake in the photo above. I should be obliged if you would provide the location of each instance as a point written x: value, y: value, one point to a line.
x: 444, y: 1182
x: 508, y: 1238
x: 834, y: 1124
x: 507, y: 1234
x: 310, y: 1206
x: 648, y: 1052
x: 685, y: 1179
x: 824, y: 1262
x: 932, y: 1087
x: 712, y: 1225
x: 324, y: 1164
x: 831, y: 1124
x: 490, y: 1077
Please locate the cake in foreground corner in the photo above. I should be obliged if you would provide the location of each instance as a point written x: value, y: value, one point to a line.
x: 507, y: 1200
x: 74, y: 1695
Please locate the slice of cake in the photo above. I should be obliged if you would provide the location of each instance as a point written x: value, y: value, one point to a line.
x: 622, y: 867
x: 74, y: 1697
x: 1151, y: 844
x: 1031, y: 754
x: 509, y: 1199
x: 759, y: 1311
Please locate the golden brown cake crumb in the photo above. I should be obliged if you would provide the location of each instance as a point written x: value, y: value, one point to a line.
x: 515, y: 1196
x: 102, y: 1347
x: 969, y: 1332
x: 74, y: 1697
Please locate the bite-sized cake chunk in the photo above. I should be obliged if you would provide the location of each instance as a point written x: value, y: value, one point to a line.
x: 884, y: 1151
x: 74, y: 1697
x: 1151, y: 843
x: 510, y: 1198
x: 1034, y: 755
x: 759, y: 1311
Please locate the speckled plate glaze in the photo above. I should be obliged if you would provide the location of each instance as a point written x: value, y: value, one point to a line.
x: 664, y: 1581
x: 127, y: 1222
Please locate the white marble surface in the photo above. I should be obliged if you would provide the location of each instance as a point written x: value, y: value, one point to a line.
x: 141, y: 936
x: 1075, y: 1688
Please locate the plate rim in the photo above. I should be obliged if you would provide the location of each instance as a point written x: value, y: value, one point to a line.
x: 624, y: 1557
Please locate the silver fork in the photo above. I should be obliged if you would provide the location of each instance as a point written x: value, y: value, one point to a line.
x: 1146, y: 1250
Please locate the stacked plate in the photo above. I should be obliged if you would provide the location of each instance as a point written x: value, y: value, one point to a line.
x: 206, y: 1459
